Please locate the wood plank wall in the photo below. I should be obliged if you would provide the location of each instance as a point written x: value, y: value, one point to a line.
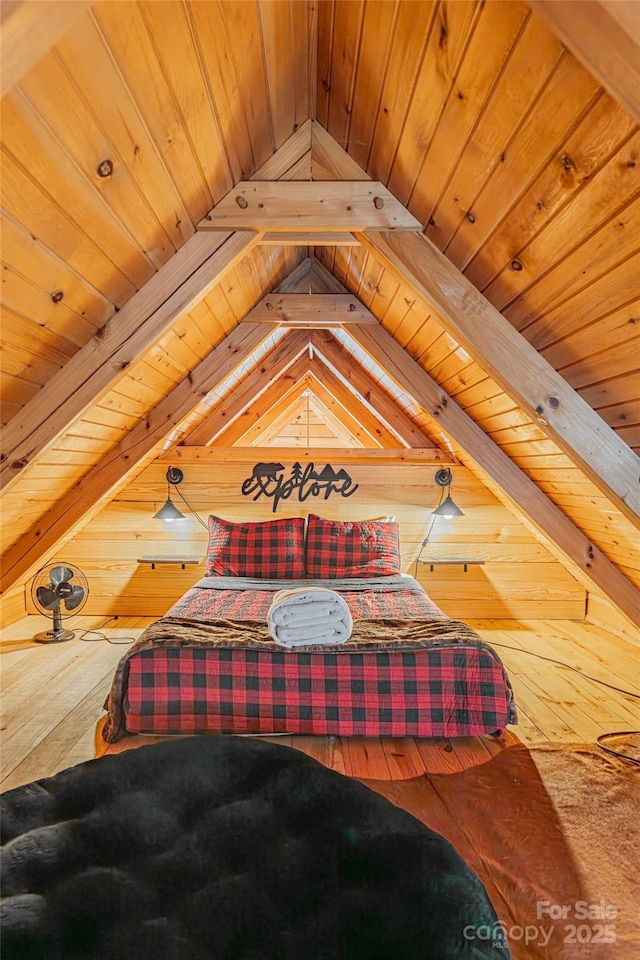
x: 602, y: 612
x: 12, y: 605
x: 520, y: 579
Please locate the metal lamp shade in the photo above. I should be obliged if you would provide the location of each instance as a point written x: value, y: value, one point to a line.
x: 448, y: 509
x: 168, y: 512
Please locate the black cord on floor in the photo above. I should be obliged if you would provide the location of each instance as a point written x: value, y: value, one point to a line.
x: 616, y: 753
x: 99, y: 635
x: 567, y: 666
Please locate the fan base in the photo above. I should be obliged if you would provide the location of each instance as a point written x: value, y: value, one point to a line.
x: 54, y: 636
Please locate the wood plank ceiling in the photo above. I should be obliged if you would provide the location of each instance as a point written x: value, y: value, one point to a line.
x: 141, y: 118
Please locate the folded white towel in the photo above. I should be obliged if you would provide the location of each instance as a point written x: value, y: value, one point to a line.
x: 307, y: 636
x: 309, y: 615
x: 303, y: 612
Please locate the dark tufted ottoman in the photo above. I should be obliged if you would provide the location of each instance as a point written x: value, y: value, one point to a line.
x: 214, y: 848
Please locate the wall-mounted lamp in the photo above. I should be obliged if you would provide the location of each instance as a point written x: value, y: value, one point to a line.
x: 169, y: 511
x: 446, y: 508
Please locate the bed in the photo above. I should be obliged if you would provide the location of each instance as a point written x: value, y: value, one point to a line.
x: 211, y: 666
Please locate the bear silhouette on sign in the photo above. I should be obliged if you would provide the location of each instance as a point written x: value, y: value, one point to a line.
x: 268, y: 470
x: 268, y: 480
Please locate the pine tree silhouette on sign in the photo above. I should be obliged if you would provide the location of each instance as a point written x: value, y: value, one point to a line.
x: 305, y: 482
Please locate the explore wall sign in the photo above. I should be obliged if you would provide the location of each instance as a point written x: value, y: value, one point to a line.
x: 268, y: 480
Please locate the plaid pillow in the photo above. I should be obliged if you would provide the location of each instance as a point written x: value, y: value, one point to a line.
x: 270, y: 550
x: 350, y: 548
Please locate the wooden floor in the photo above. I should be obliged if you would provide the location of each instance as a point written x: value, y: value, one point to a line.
x: 52, y: 698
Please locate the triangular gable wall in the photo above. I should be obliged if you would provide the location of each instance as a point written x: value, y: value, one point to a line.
x: 309, y: 424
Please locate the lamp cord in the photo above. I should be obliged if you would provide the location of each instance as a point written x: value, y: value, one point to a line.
x: 198, y: 518
x: 434, y: 517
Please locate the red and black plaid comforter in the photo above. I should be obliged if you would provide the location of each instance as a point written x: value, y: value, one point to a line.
x: 204, y: 603
x: 453, y: 686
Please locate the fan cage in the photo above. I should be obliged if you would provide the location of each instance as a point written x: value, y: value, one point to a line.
x: 58, y: 583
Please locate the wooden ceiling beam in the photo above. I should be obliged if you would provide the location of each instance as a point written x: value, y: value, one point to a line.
x: 368, y: 390
x: 310, y: 309
x: 285, y: 238
x: 98, y: 366
x: 242, y: 402
x: 330, y: 161
x: 294, y: 407
x: 276, y: 417
x: 300, y: 205
x: 271, y: 367
x: 371, y: 420
x: 342, y: 407
x: 498, y: 348
x: 514, y: 364
x: 604, y: 35
x: 301, y: 280
x: 222, y: 454
x: 64, y: 518
x: 310, y: 276
x: 291, y: 161
x: 29, y: 29
x: 279, y: 407
x: 359, y: 382
x: 249, y: 420
x: 335, y: 418
x: 522, y: 492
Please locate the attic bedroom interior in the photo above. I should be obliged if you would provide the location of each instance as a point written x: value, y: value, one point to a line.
x: 320, y: 426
